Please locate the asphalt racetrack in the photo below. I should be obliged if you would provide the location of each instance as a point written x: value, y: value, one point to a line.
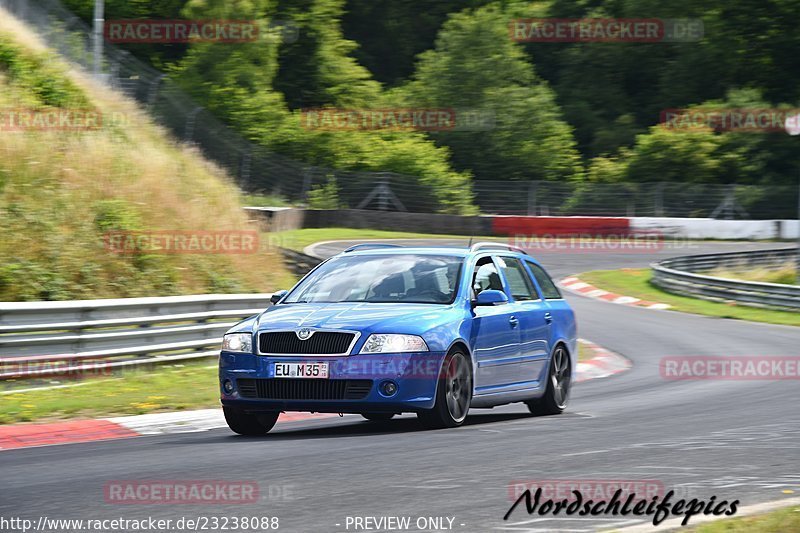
x: 731, y: 439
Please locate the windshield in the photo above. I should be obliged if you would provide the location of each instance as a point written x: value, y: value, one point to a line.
x: 382, y: 278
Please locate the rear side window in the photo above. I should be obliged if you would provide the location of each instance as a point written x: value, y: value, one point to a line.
x: 518, y: 281
x: 549, y: 289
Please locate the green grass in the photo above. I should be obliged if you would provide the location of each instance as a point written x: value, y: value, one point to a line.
x: 62, y: 192
x: 299, y: 239
x: 636, y: 283
x: 781, y: 521
x: 161, y: 388
x: 786, y: 274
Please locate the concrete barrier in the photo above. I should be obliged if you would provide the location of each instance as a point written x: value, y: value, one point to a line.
x: 709, y: 228
x: 790, y: 229
x: 286, y: 219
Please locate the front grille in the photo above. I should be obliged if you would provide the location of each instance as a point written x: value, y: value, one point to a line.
x: 304, y: 389
x: 320, y: 343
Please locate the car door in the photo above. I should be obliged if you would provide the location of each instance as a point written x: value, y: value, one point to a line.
x: 562, y: 319
x: 534, y: 318
x: 495, y: 332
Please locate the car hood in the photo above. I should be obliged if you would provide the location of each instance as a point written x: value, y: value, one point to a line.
x: 360, y: 316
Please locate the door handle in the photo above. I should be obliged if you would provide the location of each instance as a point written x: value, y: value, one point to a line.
x: 513, y: 321
x: 548, y: 318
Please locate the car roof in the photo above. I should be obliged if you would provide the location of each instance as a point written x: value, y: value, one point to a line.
x: 409, y: 250
x: 453, y: 251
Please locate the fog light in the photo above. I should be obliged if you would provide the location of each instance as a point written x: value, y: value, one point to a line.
x: 227, y: 386
x: 388, y: 388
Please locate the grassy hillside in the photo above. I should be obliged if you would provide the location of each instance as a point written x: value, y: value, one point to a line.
x: 60, y: 191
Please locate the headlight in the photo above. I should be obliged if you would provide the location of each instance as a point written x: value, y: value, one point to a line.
x: 238, y: 342
x: 391, y: 343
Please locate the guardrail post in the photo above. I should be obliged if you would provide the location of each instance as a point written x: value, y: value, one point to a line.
x: 191, y: 119
x: 797, y: 265
x: 659, y: 199
x: 244, y: 169
x: 533, y: 188
x: 153, y: 91
x: 97, y: 37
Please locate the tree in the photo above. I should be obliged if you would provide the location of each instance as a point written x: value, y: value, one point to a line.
x: 319, y: 69
x: 476, y: 66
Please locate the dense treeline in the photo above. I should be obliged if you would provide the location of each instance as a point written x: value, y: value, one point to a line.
x: 560, y: 111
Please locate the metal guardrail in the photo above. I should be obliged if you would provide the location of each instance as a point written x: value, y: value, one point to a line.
x: 39, y: 339
x: 683, y: 275
x: 299, y: 263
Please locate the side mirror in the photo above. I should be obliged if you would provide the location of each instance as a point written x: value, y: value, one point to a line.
x: 277, y: 296
x: 491, y: 297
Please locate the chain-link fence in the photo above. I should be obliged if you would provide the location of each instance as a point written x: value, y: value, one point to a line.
x: 659, y: 199
x: 255, y: 168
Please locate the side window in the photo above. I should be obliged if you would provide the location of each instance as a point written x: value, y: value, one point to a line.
x: 517, y: 278
x: 549, y: 289
x: 486, y: 276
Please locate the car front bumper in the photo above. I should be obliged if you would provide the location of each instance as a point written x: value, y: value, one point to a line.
x: 415, y: 375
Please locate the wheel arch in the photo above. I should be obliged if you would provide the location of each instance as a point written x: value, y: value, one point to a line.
x: 463, y: 346
x: 572, y: 353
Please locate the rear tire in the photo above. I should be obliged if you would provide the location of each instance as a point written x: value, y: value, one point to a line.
x: 249, y: 424
x: 559, y: 379
x: 378, y: 417
x: 453, y: 394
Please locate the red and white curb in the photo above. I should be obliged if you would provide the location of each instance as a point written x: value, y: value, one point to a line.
x: 192, y: 421
x: 123, y: 427
x: 575, y: 285
x: 603, y: 363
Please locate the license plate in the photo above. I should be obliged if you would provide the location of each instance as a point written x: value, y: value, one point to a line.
x: 300, y: 370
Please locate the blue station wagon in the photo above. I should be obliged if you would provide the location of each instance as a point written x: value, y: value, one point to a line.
x: 382, y: 329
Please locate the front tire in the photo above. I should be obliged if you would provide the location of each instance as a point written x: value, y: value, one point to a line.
x: 559, y: 380
x: 453, y: 394
x: 249, y: 424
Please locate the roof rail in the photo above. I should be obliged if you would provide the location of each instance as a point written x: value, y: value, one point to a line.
x: 372, y: 245
x: 481, y: 245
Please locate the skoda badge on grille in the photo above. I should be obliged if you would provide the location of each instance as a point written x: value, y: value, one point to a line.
x: 304, y: 334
